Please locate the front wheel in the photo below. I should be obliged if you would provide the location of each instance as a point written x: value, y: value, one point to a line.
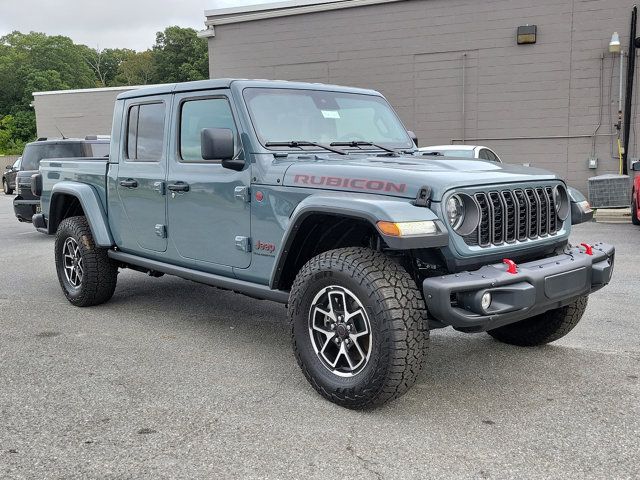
x: 5, y: 187
x: 85, y: 272
x: 544, y: 328
x: 635, y: 216
x: 359, y: 327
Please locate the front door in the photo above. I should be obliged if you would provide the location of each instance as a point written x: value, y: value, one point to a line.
x: 141, y: 174
x: 208, y: 209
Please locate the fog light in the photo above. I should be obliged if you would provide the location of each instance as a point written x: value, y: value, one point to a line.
x: 485, y: 302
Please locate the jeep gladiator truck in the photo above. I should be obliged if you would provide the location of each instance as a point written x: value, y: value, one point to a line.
x: 316, y: 196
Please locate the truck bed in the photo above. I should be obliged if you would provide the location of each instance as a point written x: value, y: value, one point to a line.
x: 88, y: 170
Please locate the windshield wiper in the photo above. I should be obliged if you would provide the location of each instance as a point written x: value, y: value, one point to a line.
x: 359, y: 143
x: 432, y: 154
x: 304, y: 143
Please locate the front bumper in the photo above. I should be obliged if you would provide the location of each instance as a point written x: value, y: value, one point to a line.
x: 537, y: 286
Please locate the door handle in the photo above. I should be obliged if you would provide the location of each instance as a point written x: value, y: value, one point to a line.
x: 178, y: 187
x: 129, y: 183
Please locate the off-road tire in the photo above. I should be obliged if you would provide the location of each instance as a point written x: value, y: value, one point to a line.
x: 398, y: 318
x: 635, y: 215
x: 100, y: 272
x: 5, y: 187
x: 544, y: 328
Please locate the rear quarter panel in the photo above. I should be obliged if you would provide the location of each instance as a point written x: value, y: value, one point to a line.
x: 91, y: 171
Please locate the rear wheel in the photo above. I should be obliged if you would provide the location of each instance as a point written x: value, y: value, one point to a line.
x: 635, y: 217
x: 5, y: 187
x: 544, y: 328
x: 359, y: 327
x: 85, y: 272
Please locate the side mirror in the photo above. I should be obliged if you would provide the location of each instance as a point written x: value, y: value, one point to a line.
x: 413, y: 137
x: 635, y: 166
x: 8, y: 167
x: 218, y: 144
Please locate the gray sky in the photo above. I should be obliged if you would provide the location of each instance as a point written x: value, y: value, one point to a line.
x: 107, y: 23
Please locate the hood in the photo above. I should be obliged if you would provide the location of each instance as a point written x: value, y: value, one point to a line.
x: 403, y: 176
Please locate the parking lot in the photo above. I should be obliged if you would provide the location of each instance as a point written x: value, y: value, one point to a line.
x: 172, y: 379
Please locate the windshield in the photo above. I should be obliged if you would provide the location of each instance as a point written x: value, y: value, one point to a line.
x: 34, y: 152
x: 449, y: 153
x: 281, y: 115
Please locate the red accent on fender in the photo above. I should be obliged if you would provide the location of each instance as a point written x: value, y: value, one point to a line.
x: 588, y: 248
x: 512, y: 268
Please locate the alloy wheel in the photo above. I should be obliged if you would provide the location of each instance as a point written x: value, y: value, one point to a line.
x: 73, y: 267
x: 340, y: 331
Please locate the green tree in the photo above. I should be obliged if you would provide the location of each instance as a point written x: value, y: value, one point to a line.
x: 180, y: 55
x: 105, y: 63
x: 137, y: 68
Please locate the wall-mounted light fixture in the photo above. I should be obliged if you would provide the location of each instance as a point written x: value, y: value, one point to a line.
x: 527, y: 34
x: 614, y: 44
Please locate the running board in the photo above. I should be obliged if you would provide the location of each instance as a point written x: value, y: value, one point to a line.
x: 261, y: 292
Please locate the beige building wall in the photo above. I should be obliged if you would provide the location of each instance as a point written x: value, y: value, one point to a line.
x: 75, y: 113
x: 536, y: 104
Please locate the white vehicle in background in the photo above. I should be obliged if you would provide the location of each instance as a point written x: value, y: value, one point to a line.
x: 462, y: 151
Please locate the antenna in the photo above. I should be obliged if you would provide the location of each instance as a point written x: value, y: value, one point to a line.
x: 61, y: 134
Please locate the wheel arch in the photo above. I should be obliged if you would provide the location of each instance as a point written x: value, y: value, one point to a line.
x: 326, y: 222
x: 73, y: 198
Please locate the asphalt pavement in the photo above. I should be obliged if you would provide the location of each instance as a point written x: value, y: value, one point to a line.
x: 171, y: 379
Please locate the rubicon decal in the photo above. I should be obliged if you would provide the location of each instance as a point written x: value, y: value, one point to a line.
x: 355, y: 183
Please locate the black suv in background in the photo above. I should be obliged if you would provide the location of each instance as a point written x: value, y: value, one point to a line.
x: 25, y: 205
x: 9, y: 177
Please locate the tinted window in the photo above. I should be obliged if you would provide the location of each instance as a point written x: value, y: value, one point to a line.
x: 197, y: 115
x: 484, y: 154
x: 145, y: 132
x: 35, y: 152
x: 492, y: 156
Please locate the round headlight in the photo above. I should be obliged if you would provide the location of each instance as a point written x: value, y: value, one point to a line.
x: 561, y: 202
x: 455, y: 211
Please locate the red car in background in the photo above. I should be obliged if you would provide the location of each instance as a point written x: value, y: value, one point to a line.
x: 635, y: 195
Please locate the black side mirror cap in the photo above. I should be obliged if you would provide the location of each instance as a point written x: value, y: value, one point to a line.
x: 36, y: 184
x: 413, y: 137
x: 635, y: 166
x: 8, y: 167
x: 217, y: 144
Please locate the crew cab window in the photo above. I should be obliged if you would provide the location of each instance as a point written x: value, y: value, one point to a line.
x: 197, y: 115
x: 145, y: 132
x: 483, y: 154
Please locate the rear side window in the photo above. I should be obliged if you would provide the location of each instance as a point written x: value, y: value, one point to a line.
x: 35, y: 152
x: 99, y: 149
x: 145, y: 132
x: 197, y: 115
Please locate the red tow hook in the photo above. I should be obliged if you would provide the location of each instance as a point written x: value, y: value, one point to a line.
x: 588, y: 248
x: 512, y: 268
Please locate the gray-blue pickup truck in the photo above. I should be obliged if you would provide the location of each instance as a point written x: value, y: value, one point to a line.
x: 316, y: 196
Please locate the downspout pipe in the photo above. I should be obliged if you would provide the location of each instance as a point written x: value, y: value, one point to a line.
x: 631, y: 68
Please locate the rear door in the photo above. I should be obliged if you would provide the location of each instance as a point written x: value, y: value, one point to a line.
x: 209, y: 220
x: 142, y: 172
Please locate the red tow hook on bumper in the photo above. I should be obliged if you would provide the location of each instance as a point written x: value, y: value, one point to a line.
x: 588, y: 248
x: 512, y: 268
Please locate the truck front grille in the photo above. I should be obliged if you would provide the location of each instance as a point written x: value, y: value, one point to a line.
x: 509, y: 215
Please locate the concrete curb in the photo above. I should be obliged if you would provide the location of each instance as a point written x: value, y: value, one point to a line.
x: 612, y: 215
